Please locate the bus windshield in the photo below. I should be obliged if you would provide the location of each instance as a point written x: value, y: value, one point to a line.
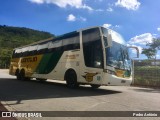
x: 117, y: 55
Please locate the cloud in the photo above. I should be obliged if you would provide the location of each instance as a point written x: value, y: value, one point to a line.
x: 107, y: 25
x: 98, y: 0
x: 64, y: 3
x: 82, y: 19
x: 128, y: 4
x: 86, y: 7
x: 99, y: 10
x: 117, y: 26
x: 37, y: 1
x: 141, y: 39
x: 109, y: 9
x: 71, y: 18
x: 158, y: 29
x: 111, y: 26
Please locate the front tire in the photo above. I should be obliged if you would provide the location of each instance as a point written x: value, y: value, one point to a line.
x: 71, y: 79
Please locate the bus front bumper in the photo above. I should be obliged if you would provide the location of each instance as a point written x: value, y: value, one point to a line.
x: 117, y: 81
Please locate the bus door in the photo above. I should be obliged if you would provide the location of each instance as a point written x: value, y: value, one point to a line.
x: 92, y: 68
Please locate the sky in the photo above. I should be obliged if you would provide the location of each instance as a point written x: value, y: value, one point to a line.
x: 138, y: 21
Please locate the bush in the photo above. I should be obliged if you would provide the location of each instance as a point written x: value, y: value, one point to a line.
x: 147, y: 76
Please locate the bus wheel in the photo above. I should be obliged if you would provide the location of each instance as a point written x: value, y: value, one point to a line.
x: 17, y: 74
x: 71, y: 79
x: 22, y: 75
x: 95, y: 86
x: 18, y: 77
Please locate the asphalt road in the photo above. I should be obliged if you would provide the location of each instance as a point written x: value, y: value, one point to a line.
x: 55, y: 96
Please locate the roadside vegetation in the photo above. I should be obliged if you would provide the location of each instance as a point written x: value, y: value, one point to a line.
x: 147, y: 72
x: 12, y: 37
x: 147, y: 76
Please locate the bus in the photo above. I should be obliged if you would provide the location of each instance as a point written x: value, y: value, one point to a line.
x: 95, y: 56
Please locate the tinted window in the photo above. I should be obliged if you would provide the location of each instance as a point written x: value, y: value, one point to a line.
x: 68, y: 41
x: 92, y: 48
x: 71, y: 42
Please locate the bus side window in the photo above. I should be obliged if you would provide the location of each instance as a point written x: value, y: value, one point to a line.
x: 25, y: 53
x: 31, y: 53
x: 92, y: 48
x: 41, y: 51
x: 67, y: 44
x: 54, y: 46
x: 71, y: 42
x: 50, y: 50
x: 32, y: 50
x: 76, y: 44
x: 42, y: 48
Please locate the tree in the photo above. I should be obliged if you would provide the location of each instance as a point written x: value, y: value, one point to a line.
x: 154, y: 46
x: 155, y: 43
x: 12, y: 37
x: 149, y: 52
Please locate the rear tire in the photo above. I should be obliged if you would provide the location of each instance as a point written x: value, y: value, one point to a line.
x: 71, y: 79
x: 22, y: 75
x: 17, y: 74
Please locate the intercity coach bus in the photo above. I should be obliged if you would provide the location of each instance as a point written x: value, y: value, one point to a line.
x: 95, y: 56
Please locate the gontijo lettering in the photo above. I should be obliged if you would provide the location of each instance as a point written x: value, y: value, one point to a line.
x: 29, y: 59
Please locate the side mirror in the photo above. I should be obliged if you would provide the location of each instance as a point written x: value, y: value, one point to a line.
x: 136, y: 48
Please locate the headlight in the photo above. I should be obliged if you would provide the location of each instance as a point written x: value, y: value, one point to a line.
x: 109, y: 72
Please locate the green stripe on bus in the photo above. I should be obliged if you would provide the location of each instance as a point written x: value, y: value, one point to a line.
x: 48, y: 62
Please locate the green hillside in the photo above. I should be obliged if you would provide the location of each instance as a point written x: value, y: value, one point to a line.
x: 12, y: 37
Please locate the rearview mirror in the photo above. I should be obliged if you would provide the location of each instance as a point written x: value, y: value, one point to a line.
x: 136, y: 48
